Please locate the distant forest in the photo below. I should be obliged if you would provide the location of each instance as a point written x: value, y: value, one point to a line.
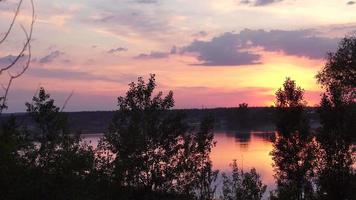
x: 236, y: 118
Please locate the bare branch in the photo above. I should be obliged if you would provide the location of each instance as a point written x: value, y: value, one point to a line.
x: 67, y: 100
x: 27, y: 46
x: 12, y: 22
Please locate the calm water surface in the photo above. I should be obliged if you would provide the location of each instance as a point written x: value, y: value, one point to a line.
x: 250, y: 149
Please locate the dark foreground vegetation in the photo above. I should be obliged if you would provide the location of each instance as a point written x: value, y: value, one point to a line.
x: 148, y: 152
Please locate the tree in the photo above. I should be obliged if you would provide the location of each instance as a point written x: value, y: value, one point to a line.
x: 242, y: 185
x: 61, y: 163
x: 338, y: 78
x: 294, y: 151
x: 200, y: 155
x: 242, y: 115
x: 15, y: 145
x: 44, y: 161
x: 51, y: 123
x: 16, y: 152
x: 340, y: 70
x: 337, y: 116
x: 290, y: 107
x: 155, y: 150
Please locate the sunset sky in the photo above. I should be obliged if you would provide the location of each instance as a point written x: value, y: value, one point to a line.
x: 211, y: 53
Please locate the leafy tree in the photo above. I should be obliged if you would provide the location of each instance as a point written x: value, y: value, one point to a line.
x: 243, y: 117
x: 338, y: 78
x: 338, y: 115
x: 242, y: 185
x: 290, y: 107
x: 205, y: 176
x: 60, y: 163
x: 15, y: 153
x: 239, y: 118
x: 155, y: 150
x: 294, y: 151
x: 50, y: 122
x: 340, y: 70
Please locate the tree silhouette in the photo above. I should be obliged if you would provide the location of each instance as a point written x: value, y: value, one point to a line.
x: 242, y: 185
x: 290, y: 106
x: 15, y: 158
x: 294, y: 152
x: 46, y: 161
x: 337, y: 117
x: 155, y: 150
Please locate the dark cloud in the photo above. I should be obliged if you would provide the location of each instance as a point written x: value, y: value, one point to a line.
x: 245, y: 2
x: 350, y: 3
x: 174, y: 50
x: 265, y: 2
x: 259, y: 2
x: 50, y: 57
x: 9, y: 59
x: 119, y: 49
x: 158, y: 54
x: 200, y: 34
x: 223, y: 50
x: 235, y: 49
x: 6, y: 60
x: 232, y: 49
x: 66, y: 61
x: 153, y: 55
x: 146, y: 1
x: 298, y: 42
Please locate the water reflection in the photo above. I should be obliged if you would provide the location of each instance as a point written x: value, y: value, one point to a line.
x: 304, y: 167
x: 251, y: 149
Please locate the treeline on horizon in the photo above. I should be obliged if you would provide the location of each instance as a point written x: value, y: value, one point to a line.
x: 234, y: 118
x: 150, y: 153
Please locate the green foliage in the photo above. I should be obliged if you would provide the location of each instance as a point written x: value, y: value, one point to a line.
x: 242, y: 185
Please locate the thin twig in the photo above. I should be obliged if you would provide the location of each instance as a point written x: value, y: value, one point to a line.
x: 12, y: 22
x: 27, y: 46
x: 67, y: 100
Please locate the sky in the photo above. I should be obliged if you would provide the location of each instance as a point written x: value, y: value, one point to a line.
x: 210, y: 53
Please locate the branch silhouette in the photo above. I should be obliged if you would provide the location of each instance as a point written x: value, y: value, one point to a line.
x: 26, y: 46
